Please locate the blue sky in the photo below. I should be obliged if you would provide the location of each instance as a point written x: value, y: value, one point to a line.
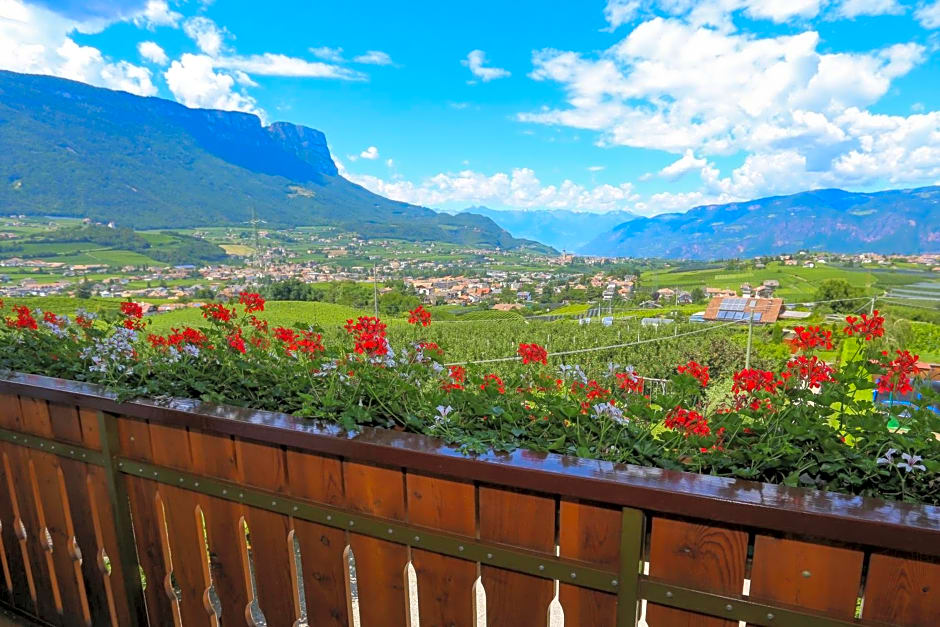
x: 642, y: 105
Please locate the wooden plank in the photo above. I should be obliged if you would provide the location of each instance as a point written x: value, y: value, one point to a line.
x: 10, y: 412
x: 64, y: 423
x: 445, y: 584
x: 134, y: 436
x: 380, y: 565
x: 711, y: 559
x: 215, y: 455
x: 514, y: 599
x: 29, y: 511
x: 812, y: 576
x: 322, y: 549
x: 272, y: 550
x: 590, y: 534
x: 902, y: 591
x: 67, y: 425
x: 55, y: 516
x: 111, y: 596
x: 20, y: 583
x: 91, y: 436
x: 170, y: 446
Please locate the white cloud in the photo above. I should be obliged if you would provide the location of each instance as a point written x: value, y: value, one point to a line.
x: 36, y: 40
x: 854, y: 8
x: 476, y: 61
x: 619, y: 12
x: 194, y: 83
x: 929, y: 15
x: 518, y: 188
x: 595, y: 168
x: 151, y: 51
x: 390, y: 163
x: 207, y: 35
x: 270, y: 64
x: 326, y: 53
x: 157, y: 13
x: 685, y: 164
x: 370, y: 153
x: 374, y: 57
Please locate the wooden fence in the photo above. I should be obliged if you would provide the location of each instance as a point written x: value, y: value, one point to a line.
x: 184, y: 514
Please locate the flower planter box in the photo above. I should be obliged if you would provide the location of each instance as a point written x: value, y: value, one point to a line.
x: 171, y: 487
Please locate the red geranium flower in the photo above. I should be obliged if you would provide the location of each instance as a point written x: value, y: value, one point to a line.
x: 217, y: 311
x: 132, y: 310
x: 751, y: 380
x: 494, y: 380
x: 811, y: 370
x: 899, y: 373
x: 252, y: 301
x: 457, y: 374
x: 810, y: 337
x: 533, y: 353
x: 695, y: 370
x: 419, y: 315
x: 24, y: 319
x: 630, y: 382
x: 687, y: 420
x: 303, y: 342
x: 369, y: 333
x: 869, y: 327
x: 236, y: 341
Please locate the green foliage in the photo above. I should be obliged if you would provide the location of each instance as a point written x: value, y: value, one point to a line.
x: 836, y: 289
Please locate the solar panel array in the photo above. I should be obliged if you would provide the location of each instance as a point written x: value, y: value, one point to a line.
x: 733, y: 304
x: 724, y: 314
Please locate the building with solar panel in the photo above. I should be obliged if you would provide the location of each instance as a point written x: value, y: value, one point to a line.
x: 739, y: 309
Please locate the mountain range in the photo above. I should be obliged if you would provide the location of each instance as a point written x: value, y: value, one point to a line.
x: 561, y: 229
x: 892, y: 221
x: 70, y: 149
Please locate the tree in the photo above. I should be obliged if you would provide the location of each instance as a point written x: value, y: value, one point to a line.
x: 838, y: 290
x: 84, y: 290
x: 697, y: 294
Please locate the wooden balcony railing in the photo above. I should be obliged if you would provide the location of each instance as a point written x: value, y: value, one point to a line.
x: 180, y: 513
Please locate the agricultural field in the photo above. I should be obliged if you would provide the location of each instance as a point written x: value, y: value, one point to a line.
x: 796, y: 282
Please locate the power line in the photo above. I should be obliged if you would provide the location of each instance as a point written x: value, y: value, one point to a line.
x: 597, y: 348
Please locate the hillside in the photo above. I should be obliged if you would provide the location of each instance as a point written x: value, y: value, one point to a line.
x: 562, y: 229
x: 893, y: 221
x: 73, y: 150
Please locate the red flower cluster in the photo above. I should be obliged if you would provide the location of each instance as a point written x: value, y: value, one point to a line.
x: 494, y: 380
x: 132, y: 312
x: 688, y: 420
x: 695, y: 370
x: 630, y: 382
x: 305, y: 342
x: 419, y: 315
x: 51, y: 318
x: 236, y: 341
x: 259, y: 324
x: 217, y: 311
x: 751, y: 380
x: 868, y: 327
x: 457, y: 375
x: 533, y: 353
x: 369, y: 333
x: 811, y: 370
x: 190, y: 336
x: 83, y: 322
x: 252, y: 301
x: 596, y: 392
x: 24, y: 319
x: 810, y: 337
x: 899, y: 373
x: 430, y: 347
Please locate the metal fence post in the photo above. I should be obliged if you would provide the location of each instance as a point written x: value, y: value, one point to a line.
x: 632, y: 535
x: 123, y: 527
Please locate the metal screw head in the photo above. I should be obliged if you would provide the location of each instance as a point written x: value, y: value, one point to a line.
x: 273, y: 503
x: 574, y: 575
x: 296, y: 508
x: 42, y: 445
x: 224, y: 491
x: 770, y: 616
x: 154, y: 473
x: 241, y: 495
x: 391, y: 531
x: 806, y: 573
x: 196, y: 484
x: 417, y: 538
x: 329, y: 517
x: 460, y: 548
x: 352, y: 523
x: 614, y: 582
x: 668, y: 594
x: 181, y: 480
x: 541, y: 566
x: 489, y: 556
x: 71, y: 452
x: 120, y: 464
x: 729, y: 607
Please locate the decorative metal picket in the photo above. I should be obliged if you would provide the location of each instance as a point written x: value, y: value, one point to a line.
x: 183, y: 514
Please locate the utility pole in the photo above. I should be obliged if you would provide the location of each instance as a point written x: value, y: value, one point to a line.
x: 375, y: 291
x: 871, y: 308
x: 750, y: 337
